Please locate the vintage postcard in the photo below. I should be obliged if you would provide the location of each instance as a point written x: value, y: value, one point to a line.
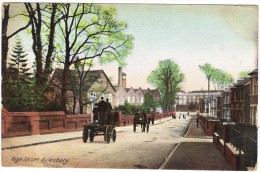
x: 95, y: 85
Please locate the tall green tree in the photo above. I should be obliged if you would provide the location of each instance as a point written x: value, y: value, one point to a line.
x: 5, y: 46
x: 208, y: 70
x: 150, y: 102
x: 219, y: 78
x: 43, y: 19
x: 90, y: 31
x: 167, y: 78
x: 19, y: 62
x: 21, y: 95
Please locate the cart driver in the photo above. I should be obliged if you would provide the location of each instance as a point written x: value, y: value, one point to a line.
x: 102, y: 111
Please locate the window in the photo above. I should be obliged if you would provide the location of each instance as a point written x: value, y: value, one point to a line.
x: 110, y: 96
x: 92, y: 96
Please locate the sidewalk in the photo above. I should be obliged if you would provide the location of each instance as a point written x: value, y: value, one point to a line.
x: 197, y: 152
x: 24, y: 141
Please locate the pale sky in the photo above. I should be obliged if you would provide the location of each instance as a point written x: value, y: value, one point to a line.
x: 191, y: 35
x: 223, y: 35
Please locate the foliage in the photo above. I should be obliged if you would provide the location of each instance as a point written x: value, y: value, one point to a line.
x: 81, y: 79
x: 88, y: 31
x: 19, y: 63
x: 167, y: 78
x: 150, y: 103
x: 219, y: 78
x: 244, y: 74
x: 23, y: 97
x: 43, y: 19
x: 129, y: 109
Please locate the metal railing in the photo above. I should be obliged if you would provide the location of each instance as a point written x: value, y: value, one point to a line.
x: 244, y: 138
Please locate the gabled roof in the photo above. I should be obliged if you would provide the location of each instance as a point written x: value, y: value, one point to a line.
x: 92, y: 75
x: 254, y: 72
x: 241, y: 82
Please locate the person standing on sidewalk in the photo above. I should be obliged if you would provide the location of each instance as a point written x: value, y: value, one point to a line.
x: 197, y: 120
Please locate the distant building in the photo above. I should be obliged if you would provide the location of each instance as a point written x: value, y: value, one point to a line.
x: 130, y: 94
x: 190, y: 101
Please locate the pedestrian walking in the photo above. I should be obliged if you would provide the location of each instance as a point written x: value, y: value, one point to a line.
x: 95, y: 112
x: 144, y: 117
x: 152, y: 117
x: 197, y: 120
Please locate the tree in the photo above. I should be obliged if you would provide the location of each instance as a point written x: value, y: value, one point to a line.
x: 150, y: 103
x: 90, y: 31
x: 5, y: 47
x: 244, y: 74
x: 81, y: 81
x: 19, y: 62
x: 43, y: 19
x: 219, y: 78
x: 167, y: 78
x: 208, y: 70
x: 20, y: 87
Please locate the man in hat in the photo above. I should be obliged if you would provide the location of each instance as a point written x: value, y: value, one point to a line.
x: 102, y: 111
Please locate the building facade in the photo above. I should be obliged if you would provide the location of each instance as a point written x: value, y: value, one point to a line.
x: 238, y: 102
x: 98, y: 85
x: 130, y: 94
x: 253, y: 97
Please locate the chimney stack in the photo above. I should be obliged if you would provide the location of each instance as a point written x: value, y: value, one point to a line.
x: 119, y: 76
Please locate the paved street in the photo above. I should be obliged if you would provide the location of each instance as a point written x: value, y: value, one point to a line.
x: 153, y: 150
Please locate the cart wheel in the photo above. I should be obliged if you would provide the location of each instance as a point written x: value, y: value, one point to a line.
x: 147, y: 128
x: 114, y: 135
x: 108, y: 135
x: 85, y: 135
x: 134, y: 127
x: 91, y: 136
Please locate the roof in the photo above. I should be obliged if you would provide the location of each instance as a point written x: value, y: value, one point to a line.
x: 204, y: 91
x: 181, y: 91
x: 241, y: 82
x: 92, y: 76
x: 254, y: 72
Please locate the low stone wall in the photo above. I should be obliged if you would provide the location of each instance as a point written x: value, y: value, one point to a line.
x: 233, y: 157
x: 129, y: 119
x: 32, y: 123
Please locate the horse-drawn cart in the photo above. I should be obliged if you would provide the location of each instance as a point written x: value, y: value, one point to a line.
x: 144, y: 123
x: 97, y: 128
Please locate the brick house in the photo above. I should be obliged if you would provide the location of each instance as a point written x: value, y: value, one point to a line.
x: 239, y: 101
x: 226, y: 104
x: 98, y: 85
x: 253, y: 97
x: 220, y: 107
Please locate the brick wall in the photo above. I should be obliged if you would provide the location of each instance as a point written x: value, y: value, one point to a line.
x: 129, y: 118
x: 32, y: 123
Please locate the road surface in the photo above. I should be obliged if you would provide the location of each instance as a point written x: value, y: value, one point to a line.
x: 130, y: 151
